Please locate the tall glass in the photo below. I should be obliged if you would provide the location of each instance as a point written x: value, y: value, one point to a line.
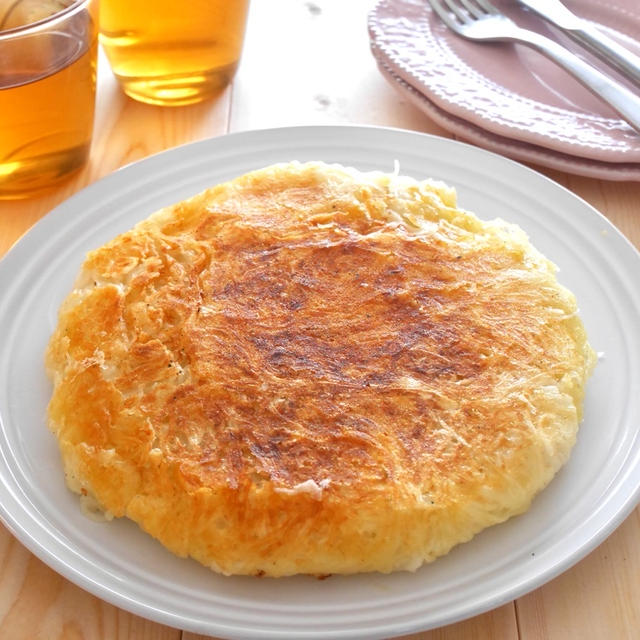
x: 47, y: 91
x: 173, y: 53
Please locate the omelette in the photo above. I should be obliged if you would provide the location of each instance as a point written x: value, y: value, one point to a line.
x: 314, y: 370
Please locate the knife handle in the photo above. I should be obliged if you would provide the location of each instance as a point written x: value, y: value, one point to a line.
x: 625, y: 102
x: 608, y: 50
x: 587, y: 35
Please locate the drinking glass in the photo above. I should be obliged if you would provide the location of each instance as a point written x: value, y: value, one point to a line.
x: 47, y: 91
x: 173, y: 53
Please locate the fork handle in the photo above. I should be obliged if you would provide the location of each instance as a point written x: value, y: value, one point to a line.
x: 625, y: 102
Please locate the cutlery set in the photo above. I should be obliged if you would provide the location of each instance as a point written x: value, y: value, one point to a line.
x: 480, y: 20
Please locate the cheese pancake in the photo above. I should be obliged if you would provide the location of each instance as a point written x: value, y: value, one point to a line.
x: 314, y: 370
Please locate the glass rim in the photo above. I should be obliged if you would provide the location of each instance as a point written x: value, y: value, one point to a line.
x: 36, y: 26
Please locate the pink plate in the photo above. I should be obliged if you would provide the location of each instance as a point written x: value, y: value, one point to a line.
x: 512, y: 148
x: 509, y: 90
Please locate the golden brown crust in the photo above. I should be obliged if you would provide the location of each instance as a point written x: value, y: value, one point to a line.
x: 312, y: 370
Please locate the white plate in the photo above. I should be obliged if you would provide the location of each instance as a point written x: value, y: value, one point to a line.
x: 117, y: 562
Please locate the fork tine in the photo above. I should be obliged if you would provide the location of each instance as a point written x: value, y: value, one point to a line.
x: 444, y: 15
x: 473, y: 9
x: 460, y: 13
x: 487, y: 6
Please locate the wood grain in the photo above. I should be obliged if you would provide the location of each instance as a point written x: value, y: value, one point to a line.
x: 309, y: 63
x: 499, y: 624
x: 593, y: 600
x: 306, y: 63
x: 38, y: 604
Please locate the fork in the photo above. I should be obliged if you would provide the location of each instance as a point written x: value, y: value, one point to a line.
x: 480, y: 20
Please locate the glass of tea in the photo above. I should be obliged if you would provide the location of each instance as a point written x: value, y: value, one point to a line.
x: 47, y: 91
x: 173, y: 53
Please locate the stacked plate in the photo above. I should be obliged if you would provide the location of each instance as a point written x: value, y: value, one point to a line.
x: 509, y: 98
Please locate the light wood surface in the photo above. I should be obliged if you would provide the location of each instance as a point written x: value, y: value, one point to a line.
x: 306, y: 63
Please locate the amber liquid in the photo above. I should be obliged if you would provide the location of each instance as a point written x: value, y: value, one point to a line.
x: 172, y: 53
x: 46, y: 111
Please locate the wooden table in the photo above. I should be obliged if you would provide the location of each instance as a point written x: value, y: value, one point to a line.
x: 284, y: 81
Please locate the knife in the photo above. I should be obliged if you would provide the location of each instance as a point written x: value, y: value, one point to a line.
x: 587, y: 35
